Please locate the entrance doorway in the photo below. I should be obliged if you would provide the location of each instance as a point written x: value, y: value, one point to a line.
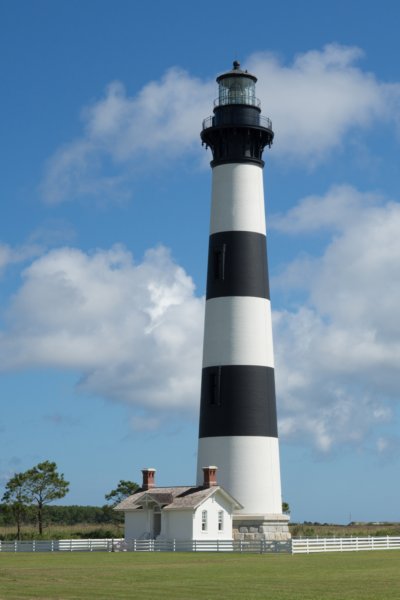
x: 156, y: 522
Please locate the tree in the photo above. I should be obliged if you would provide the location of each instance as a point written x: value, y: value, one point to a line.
x: 43, y: 485
x: 285, y: 508
x: 122, y: 491
x: 16, y: 498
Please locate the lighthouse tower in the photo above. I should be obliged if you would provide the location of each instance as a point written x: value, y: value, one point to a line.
x: 238, y: 423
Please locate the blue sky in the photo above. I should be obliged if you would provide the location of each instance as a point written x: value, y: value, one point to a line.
x: 105, y: 195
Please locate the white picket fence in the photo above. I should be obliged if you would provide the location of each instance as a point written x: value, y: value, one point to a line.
x: 121, y: 545
x: 252, y: 546
x: 102, y: 545
x: 294, y: 546
x: 352, y: 544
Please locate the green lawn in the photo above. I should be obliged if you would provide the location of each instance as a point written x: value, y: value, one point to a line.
x: 192, y: 576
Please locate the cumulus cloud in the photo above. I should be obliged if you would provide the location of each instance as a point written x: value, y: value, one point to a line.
x: 319, y: 98
x: 314, y: 103
x: 340, y: 208
x: 123, y: 133
x: 133, y: 330
x: 20, y: 254
x: 338, y: 353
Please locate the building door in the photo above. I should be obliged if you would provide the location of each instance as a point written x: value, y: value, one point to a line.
x: 156, y: 523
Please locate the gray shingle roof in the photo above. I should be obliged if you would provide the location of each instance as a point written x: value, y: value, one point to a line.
x: 173, y: 498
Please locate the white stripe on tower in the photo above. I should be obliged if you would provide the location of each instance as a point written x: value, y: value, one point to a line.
x: 249, y: 470
x: 238, y: 424
x: 237, y: 332
x: 237, y: 202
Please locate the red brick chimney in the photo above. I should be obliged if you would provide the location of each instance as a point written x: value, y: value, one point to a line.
x: 148, y: 478
x: 209, y: 476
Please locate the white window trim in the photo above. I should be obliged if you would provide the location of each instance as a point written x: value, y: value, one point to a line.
x: 220, y: 521
x: 204, y: 521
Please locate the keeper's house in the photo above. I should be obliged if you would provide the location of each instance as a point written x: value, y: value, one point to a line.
x: 181, y: 513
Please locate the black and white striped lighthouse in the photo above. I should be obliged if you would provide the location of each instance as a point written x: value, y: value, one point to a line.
x: 238, y: 422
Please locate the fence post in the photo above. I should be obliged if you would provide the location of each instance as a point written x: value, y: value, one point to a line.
x: 33, y: 546
x: 174, y: 545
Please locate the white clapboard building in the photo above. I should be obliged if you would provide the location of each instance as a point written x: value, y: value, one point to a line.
x: 181, y: 513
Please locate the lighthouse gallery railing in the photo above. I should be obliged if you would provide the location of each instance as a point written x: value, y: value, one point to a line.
x: 254, y: 120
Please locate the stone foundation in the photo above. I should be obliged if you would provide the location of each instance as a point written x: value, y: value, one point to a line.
x: 263, y: 527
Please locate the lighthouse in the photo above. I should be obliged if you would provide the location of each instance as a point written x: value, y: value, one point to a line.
x: 238, y: 422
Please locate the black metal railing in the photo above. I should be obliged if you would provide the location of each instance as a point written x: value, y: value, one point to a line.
x: 256, y: 120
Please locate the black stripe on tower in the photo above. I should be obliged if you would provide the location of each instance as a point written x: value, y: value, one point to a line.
x: 237, y: 265
x: 238, y: 400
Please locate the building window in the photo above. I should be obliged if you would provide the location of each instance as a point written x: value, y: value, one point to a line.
x: 220, y: 520
x: 204, y: 520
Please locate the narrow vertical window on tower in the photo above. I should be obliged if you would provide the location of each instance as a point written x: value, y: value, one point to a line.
x: 219, y: 262
x: 215, y: 387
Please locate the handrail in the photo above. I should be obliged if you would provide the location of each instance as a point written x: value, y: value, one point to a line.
x: 256, y: 120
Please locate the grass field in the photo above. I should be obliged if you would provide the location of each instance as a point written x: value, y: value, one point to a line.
x: 192, y: 576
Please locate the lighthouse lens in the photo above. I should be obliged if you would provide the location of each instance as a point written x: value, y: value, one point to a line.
x: 237, y: 90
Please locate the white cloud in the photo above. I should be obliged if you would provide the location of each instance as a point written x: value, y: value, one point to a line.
x: 314, y: 103
x: 133, y: 331
x: 337, y: 355
x: 159, y: 123
x: 318, y: 99
x: 338, y: 209
x: 10, y: 256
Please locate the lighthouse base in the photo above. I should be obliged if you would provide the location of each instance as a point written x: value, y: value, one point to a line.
x: 261, y: 527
